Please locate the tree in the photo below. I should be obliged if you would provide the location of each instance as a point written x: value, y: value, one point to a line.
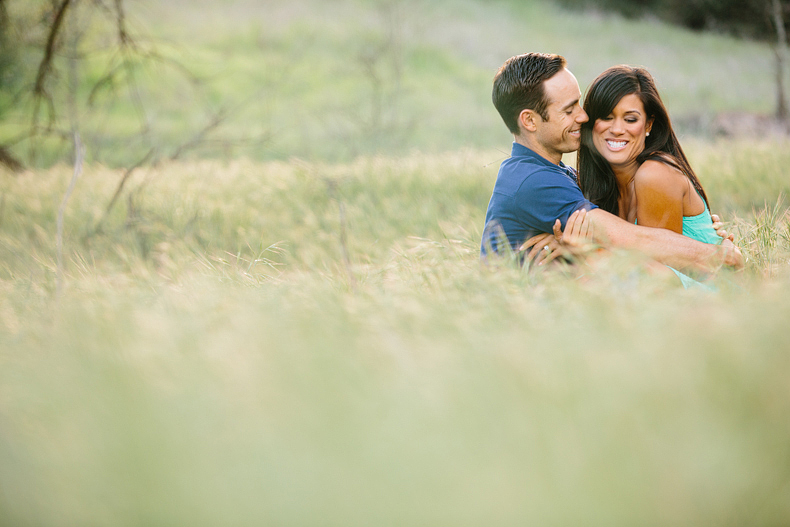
x: 39, y: 40
x: 60, y: 60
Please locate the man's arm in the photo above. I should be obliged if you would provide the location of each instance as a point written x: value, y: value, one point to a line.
x: 662, y: 245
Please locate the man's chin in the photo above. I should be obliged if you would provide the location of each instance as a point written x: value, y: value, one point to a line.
x: 573, y: 145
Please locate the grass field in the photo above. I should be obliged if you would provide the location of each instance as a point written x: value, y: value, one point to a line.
x: 297, y: 343
x: 299, y: 331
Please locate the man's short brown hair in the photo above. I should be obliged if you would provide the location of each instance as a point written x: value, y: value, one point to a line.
x: 518, y: 85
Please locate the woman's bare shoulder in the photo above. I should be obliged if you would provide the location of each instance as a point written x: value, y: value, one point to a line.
x: 658, y: 176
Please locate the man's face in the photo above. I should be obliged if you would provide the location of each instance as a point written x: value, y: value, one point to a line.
x: 561, y: 132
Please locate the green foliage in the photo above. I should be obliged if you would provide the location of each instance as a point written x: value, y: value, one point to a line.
x: 331, y: 81
x: 746, y: 18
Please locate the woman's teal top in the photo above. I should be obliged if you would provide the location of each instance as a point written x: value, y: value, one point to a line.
x: 700, y: 228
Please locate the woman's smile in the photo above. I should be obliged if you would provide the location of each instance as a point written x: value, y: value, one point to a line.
x: 620, y: 136
x: 616, y: 146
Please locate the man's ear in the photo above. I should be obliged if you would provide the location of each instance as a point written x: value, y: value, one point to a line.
x: 529, y: 119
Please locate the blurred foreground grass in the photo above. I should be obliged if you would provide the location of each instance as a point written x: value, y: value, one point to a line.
x: 317, y: 344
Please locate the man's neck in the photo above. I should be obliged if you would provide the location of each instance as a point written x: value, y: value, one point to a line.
x: 539, y: 149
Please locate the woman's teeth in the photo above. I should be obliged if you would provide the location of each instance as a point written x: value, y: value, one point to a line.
x: 616, y: 144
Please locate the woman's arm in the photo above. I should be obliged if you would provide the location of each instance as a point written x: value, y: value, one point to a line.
x: 667, y: 247
x: 660, y: 190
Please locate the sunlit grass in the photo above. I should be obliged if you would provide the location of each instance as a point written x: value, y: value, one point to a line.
x: 311, y: 343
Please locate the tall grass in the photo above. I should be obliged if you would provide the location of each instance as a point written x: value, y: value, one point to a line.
x: 214, y: 358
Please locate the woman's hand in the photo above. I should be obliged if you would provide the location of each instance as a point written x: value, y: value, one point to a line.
x: 545, y: 247
x: 578, y: 232
x: 576, y: 238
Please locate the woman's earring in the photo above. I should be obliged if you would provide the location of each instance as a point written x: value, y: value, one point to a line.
x: 648, y: 133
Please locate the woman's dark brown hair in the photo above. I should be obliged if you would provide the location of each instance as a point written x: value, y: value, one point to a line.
x: 596, y: 178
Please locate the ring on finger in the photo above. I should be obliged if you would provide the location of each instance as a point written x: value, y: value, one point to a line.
x: 546, y: 248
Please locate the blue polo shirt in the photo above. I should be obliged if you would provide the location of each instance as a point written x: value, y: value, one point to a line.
x: 530, y: 193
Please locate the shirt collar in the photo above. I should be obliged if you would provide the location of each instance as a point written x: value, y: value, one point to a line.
x: 520, y: 150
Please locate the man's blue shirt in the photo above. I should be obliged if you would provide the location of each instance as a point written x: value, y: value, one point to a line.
x: 530, y: 193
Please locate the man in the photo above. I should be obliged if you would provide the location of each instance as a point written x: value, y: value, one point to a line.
x: 539, y: 101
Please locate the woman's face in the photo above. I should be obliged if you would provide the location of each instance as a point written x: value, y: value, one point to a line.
x: 620, y: 136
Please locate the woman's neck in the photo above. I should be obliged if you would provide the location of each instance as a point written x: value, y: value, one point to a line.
x: 624, y: 176
x: 625, y: 202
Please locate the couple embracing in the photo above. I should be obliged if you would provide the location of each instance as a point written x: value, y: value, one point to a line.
x: 632, y: 175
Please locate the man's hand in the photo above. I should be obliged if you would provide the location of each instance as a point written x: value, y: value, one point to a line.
x: 732, y: 255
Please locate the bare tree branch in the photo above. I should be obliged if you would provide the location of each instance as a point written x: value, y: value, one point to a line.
x: 121, y: 184
x: 781, y: 59
x: 108, y: 79
x: 9, y: 160
x: 45, y: 66
x: 123, y: 35
x: 126, y: 67
x: 199, y: 137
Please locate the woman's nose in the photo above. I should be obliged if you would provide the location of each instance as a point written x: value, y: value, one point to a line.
x: 617, y: 126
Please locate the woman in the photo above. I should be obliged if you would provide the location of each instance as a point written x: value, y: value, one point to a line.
x: 630, y: 162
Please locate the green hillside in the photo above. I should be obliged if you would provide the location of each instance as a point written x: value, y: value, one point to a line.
x: 332, y: 80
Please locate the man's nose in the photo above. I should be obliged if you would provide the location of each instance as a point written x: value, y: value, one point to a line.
x: 582, y: 117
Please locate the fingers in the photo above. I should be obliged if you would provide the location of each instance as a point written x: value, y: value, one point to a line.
x: 726, y: 235
x: 587, y: 229
x: 578, y: 229
x: 718, y: 226
x: 549, y: 252
x: 572, y: 225
x: 544, y: 248
x: 551, y: 255
x: 537, y: 243
x: 733, y: 256
x: 533, y: 241
x: 578, y: 223
x: 722, y: 232
x: 557, y: 230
